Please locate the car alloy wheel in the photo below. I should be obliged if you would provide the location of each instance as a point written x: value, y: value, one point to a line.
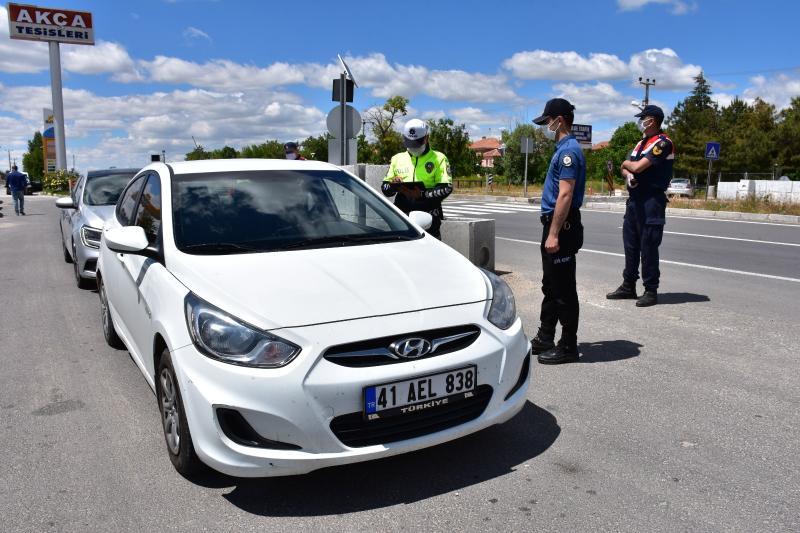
x: 169, y: 411
x: 109, y: 332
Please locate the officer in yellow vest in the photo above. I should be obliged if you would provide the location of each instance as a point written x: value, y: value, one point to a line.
x: 419, y: 177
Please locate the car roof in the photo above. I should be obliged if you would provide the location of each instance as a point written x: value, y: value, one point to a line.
x: 239, y: 165
x: 111, y: 171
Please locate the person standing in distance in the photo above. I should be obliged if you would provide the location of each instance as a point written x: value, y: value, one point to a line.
x: 419, y: 177
x: 17, y: 183
x: 562, y: 236
x: 292, y: 151
x: 647, y: 173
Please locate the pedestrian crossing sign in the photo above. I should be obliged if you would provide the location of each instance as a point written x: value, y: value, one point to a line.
x: 712, y: 151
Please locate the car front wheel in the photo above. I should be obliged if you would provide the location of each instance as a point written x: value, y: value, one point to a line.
x: 173, y: 420
x: 110, y: 334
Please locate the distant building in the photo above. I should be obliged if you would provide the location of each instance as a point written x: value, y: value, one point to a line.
x: 489, y: 149
x: 600, y: 145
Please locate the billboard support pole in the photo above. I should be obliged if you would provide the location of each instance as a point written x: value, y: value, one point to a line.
x: 58, y: 105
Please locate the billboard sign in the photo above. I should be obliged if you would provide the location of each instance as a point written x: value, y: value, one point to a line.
x: 582, y: 133
x: 34, y: 23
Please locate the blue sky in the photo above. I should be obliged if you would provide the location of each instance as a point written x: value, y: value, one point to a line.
x: 242, y: 72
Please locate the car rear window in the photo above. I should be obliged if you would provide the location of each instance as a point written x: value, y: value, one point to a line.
x: 105, y: 189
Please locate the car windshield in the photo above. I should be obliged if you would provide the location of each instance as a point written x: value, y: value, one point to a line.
x: 680, y: 182
x: 105, y: 189
x: 258, y: 211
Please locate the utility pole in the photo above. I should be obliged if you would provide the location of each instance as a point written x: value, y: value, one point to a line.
x: 647, y: 82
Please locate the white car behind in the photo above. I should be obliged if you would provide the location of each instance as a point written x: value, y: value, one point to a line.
x: 289, y: 318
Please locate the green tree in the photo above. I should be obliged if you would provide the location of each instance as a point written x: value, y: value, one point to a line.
x: 512, y: 164
x: 316, y: 147
x: 267, y: 150
x: 620, y: 145
x: 226, y: 152
x: 693, y: 123
x: 788, y: 131
x: 383, y: 122
x: 747, y: 134
x: 198, y: 153
x: 33, y: 159
x: 453, y: 141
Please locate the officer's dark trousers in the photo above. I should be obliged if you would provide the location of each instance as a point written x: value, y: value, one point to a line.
x: 642, y: 231
x: 560, y: 303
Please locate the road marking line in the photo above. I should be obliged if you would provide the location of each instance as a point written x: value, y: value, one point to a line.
x: 678, y: 263
x: 512, y: 207
x: 732, y: 238
x: 622, y: 212
x: 458, y: 210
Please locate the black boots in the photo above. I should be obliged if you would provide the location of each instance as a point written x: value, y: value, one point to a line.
x: 561, y: 353
x: 647, y: 299
x: 626, y: 291
x: 542, y: 342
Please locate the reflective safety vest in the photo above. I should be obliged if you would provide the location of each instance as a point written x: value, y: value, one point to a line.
x: 430, y: 168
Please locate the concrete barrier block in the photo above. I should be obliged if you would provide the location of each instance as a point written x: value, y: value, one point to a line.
x: 472, y: 238
x: 374, y: 174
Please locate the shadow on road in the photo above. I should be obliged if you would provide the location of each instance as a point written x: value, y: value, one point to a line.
x: 402, y: 479
x: 607, y: 351
x: 669, y: 298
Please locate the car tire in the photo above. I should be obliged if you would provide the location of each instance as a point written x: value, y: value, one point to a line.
x: 67, y: 257
x: 177, y: 436
x: 80, y: 281
x: 109, y: 332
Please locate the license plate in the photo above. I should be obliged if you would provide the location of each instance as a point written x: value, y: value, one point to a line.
x: 420, y: 393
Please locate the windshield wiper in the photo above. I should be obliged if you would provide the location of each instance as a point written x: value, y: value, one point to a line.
x: 344, y: 239
x: 219, y: 248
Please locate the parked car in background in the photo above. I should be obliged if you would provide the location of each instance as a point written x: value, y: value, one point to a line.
x: 680, y: 187
x: 289, y: 318
x: 83, y: 214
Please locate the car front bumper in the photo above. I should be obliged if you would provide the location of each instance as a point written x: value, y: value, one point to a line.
x: 296, y: 404
x: 86, y: 258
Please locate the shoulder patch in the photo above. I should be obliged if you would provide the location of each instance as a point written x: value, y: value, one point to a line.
x: 657, y: 149
x: 566, y: 161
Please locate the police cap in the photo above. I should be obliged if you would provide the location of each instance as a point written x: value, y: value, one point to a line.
x: 651, y: 111
x: 557, y: 107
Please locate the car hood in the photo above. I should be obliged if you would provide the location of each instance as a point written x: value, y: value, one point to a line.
x: 97, y: 215
x: 297, y: 288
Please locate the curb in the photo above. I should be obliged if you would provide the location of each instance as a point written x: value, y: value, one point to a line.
x: 494, y: 198
x: 703, y: 213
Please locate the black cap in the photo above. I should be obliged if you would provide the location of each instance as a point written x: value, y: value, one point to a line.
x: 651, y: 111
x: 557, y: 107
x: 290, y: 147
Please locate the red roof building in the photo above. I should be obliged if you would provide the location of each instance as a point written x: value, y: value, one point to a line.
x: 489, y: 149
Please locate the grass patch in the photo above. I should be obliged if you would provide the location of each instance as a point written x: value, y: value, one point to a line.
x: 500, y: 188
x: 749, y: 205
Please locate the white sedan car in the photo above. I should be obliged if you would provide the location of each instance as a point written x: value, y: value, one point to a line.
x: 289, y: 318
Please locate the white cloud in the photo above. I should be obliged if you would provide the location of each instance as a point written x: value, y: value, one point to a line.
x: 679, y: 7
x: 104, y: 57
x: 20, y: 56
x: 663, y: 64
x: 195, y: 33
x: 567, y: 66
x: 133, y: 126
x: 221, y: 74
x: 778, y: 90
x: 474, y: 116
x: 596, y: 102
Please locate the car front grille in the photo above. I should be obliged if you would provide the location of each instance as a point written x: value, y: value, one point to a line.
x: 375, y: 352
x: 354, y: 431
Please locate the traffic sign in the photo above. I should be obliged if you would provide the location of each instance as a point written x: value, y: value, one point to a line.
x: 582, y: 133
x: 526, y: 145
x: 353, y: 120
x: 712, y: 151
x: 610, y: 165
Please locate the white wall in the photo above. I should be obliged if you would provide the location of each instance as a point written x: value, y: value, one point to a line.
x: 776, y: 191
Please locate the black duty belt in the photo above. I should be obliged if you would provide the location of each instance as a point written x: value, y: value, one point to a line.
x: 573, y: 216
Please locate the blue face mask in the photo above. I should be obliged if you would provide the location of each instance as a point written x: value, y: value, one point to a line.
x: 549, y: 132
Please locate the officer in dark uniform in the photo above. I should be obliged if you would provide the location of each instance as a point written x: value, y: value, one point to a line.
x: 562, y: 236
x: 647, y: 171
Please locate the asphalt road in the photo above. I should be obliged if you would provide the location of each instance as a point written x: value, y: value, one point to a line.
x: 681, y: 417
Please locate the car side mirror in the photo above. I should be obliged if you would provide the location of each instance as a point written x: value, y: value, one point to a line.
x: 65, y: 203
x: 128, y: 239
x: 421, y: 218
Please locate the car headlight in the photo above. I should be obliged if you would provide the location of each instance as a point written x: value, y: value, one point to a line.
x: 503, y: 311
x: 91, y: 236
x: 220, y: 336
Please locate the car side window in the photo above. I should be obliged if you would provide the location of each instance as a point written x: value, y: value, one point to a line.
x: 75, y: 189
x: 128, y: 200
x: 148, y: 215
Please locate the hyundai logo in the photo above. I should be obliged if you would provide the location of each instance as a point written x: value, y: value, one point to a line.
x: 412, y: 348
